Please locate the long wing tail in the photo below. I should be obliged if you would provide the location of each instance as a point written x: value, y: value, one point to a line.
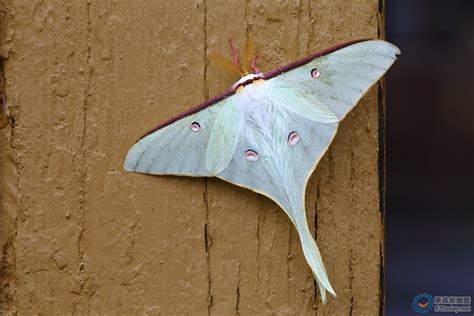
x: 313, y: 256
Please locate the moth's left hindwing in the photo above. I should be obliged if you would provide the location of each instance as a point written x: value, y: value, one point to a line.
x: 179, y: 148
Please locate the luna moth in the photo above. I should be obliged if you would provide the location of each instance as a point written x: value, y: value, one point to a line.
x: 269, y: 130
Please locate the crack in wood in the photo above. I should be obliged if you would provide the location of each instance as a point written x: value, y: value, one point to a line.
x: 237, y: 301
x: 207, y: 237
x: 351, y: 281
x: 4, y: 116
x: 381, y: 151
x: 311, y: 23
x: 82, y: 170
x: 207, y: 247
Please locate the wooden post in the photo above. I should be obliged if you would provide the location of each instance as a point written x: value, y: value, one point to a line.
x: 84, y: 79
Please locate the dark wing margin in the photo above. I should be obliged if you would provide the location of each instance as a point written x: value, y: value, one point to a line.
x: 266, y: 76
x: 190, y: 111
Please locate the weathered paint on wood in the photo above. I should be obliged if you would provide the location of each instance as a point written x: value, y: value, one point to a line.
x: 84, y: 79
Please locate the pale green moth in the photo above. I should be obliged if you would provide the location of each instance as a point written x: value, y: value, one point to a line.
x: 268, y: 132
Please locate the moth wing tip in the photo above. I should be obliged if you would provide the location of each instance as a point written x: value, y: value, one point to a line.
x: 130, y: 161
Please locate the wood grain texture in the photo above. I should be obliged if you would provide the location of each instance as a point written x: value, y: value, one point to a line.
x: 85, y: 79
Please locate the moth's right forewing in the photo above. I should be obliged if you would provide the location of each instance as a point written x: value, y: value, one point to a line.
x: 178, y: 148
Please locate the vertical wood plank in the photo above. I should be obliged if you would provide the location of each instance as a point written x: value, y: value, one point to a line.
x: 46, y: 93
x: 85, y: 79
x: 144, y: 238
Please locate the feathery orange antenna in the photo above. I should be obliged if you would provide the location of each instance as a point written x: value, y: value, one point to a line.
x: 225, y: 62
x: 250, y: 59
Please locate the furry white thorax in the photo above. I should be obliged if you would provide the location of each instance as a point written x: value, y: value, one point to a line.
x: 254, y: 104
x: 253, y: 96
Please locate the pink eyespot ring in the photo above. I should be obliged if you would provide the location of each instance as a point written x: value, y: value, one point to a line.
x: 293, y: 138
x: 315, y: 73
x: 251, y: 155
x: 195, y: 127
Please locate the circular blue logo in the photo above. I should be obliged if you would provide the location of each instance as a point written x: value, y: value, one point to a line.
x: 422, y: 303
